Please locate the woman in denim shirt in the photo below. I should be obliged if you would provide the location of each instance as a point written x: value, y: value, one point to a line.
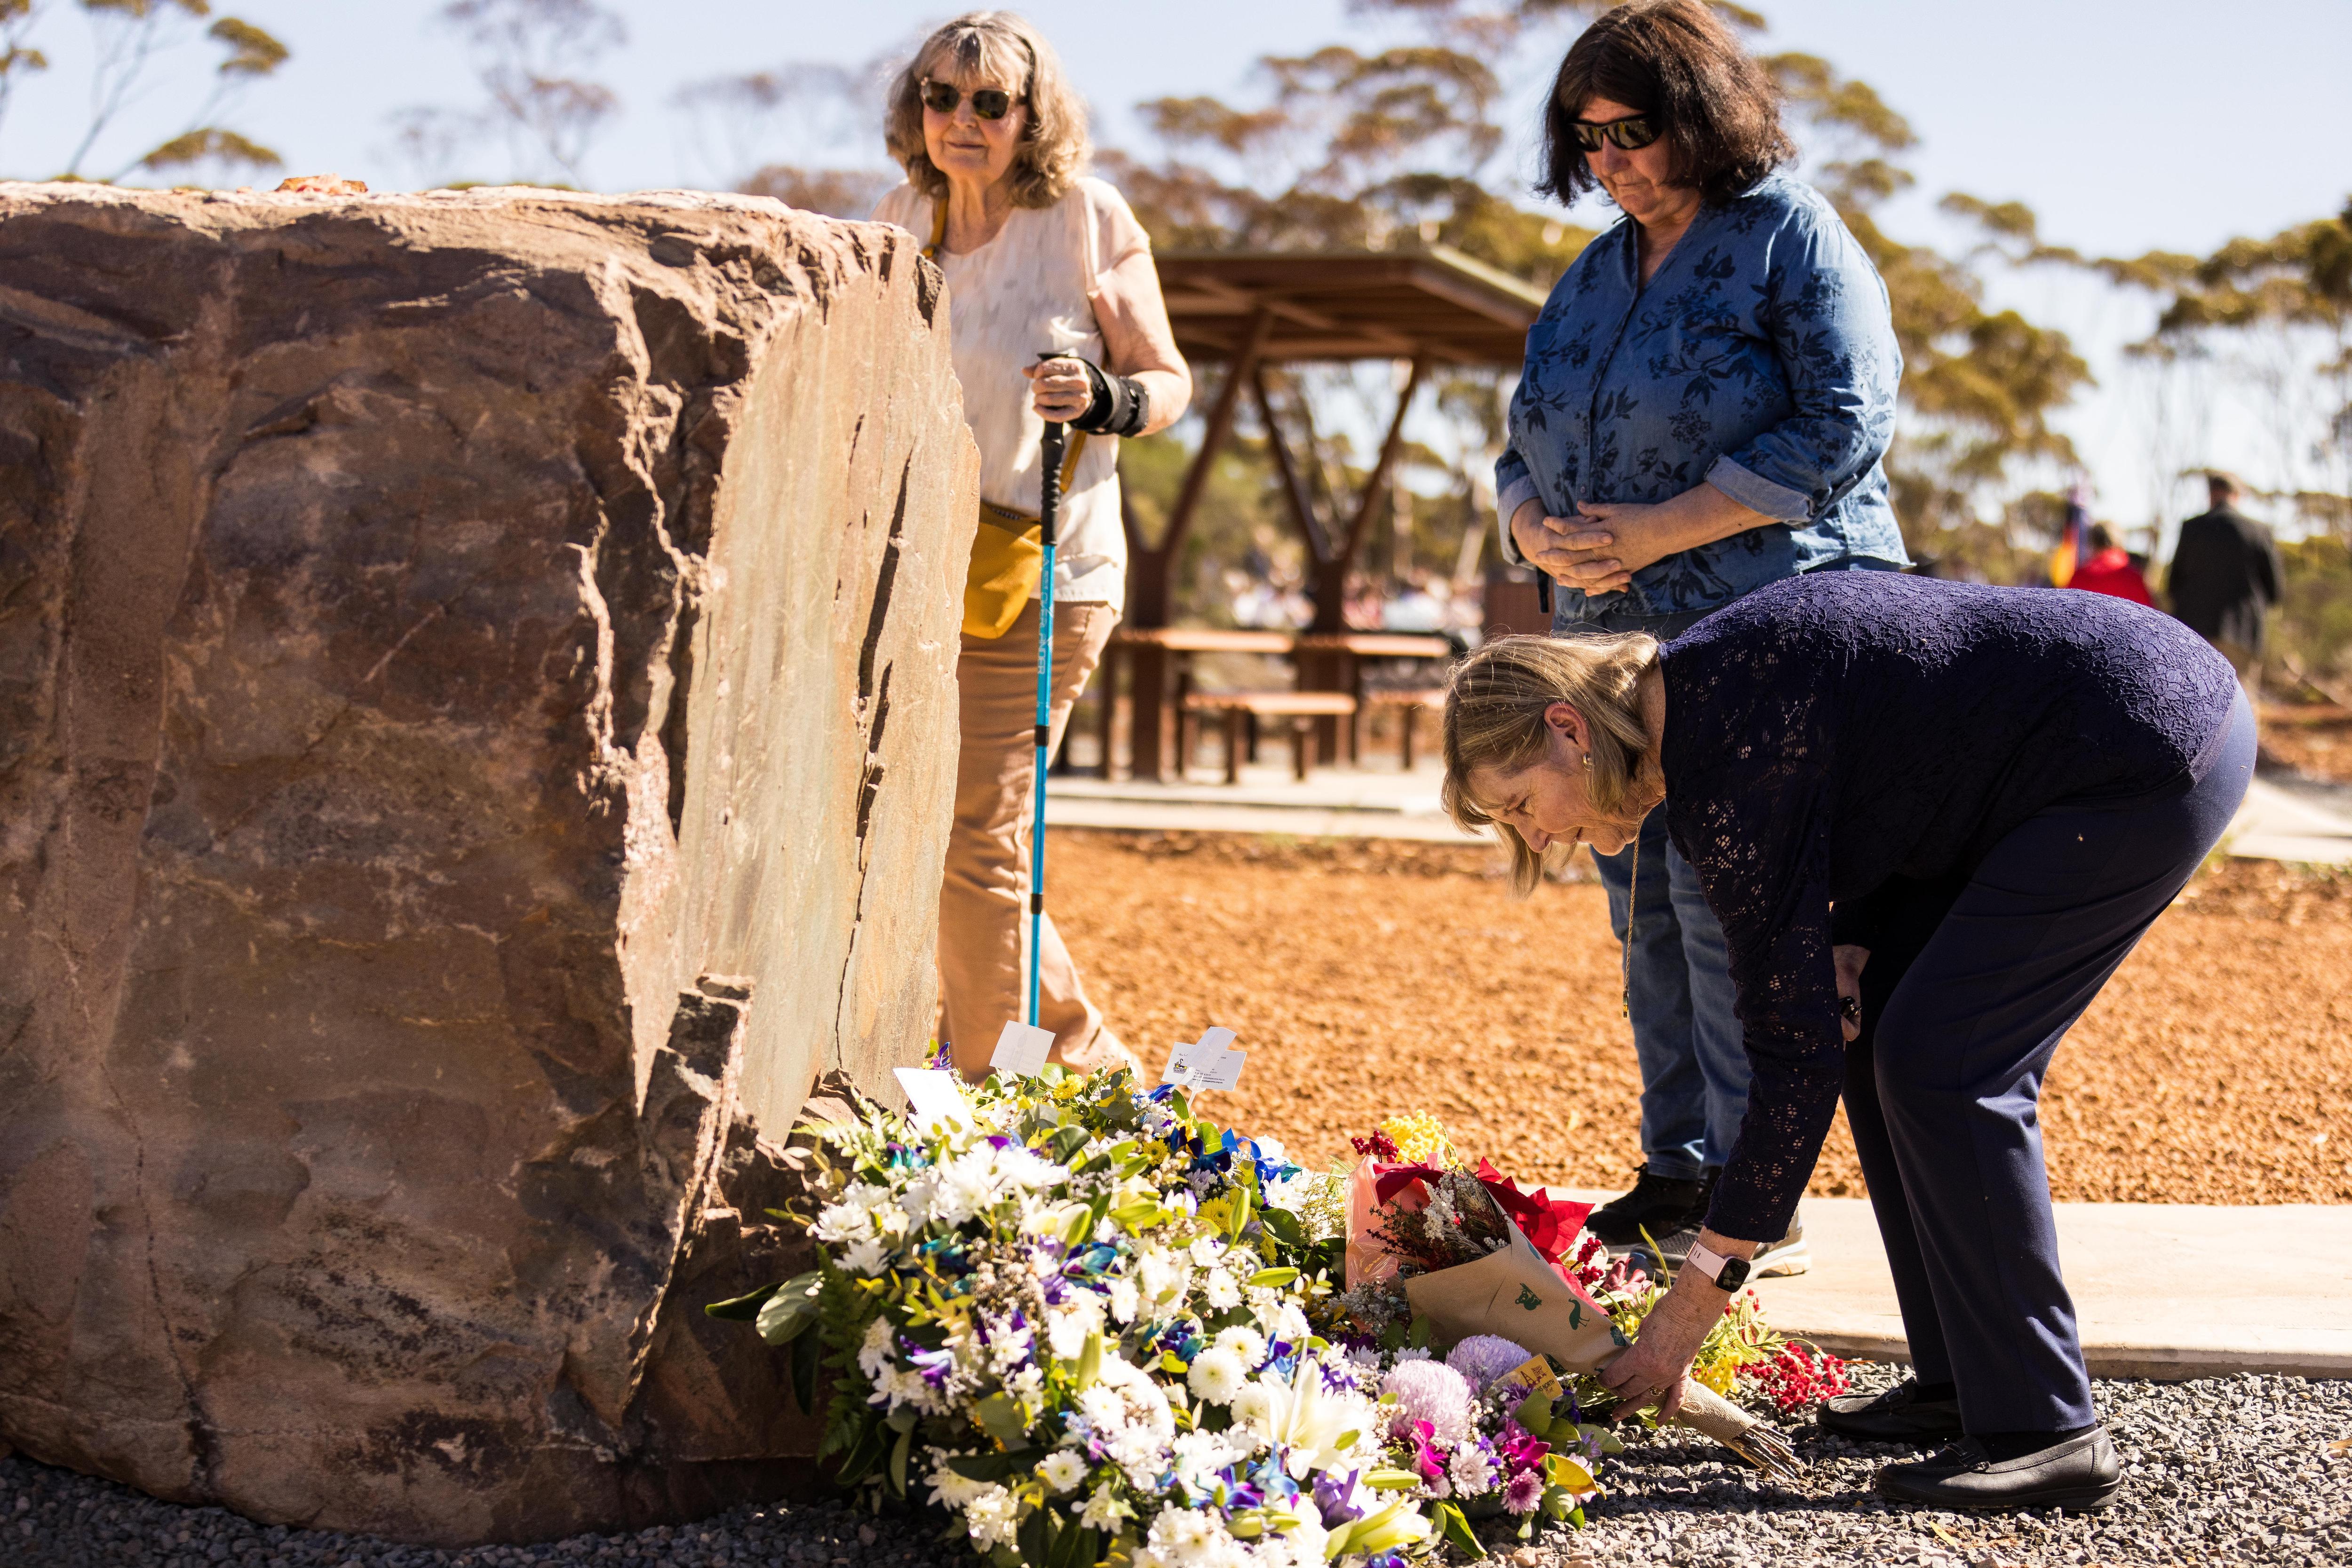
x: 1706, y: 398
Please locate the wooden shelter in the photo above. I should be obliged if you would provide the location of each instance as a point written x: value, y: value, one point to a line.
x: 1429, y: 306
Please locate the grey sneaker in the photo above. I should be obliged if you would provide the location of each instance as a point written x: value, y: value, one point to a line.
x: 1789, y: 1255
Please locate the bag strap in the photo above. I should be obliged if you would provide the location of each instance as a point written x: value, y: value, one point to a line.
x: 939, y: 228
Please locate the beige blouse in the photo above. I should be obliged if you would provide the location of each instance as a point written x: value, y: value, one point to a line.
x: 1030, y: 289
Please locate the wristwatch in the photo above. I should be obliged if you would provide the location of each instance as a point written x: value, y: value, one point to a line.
x: 1724, y: 1273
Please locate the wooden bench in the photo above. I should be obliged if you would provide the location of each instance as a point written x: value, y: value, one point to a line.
x: 1410, y: 703
x: 1242, y: 712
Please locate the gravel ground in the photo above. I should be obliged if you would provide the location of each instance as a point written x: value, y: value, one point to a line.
x: 1367, y: 978
x: 2234, y: 1471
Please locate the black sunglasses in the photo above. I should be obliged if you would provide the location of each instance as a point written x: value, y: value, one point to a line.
x: 1631, y: 134
x: 988, y: 102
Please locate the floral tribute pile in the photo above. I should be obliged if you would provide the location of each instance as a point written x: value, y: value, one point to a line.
x: 1098, y: 1329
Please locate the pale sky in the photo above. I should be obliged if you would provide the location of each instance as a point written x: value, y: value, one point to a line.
x: 2127, y: 126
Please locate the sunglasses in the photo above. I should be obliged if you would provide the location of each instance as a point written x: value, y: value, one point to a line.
x: 988, y: 102
x: 1631, y: 134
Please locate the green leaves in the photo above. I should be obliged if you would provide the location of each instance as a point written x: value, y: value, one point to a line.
x: 791, y: 1308
x: 1455, y: 1531
x: 741, y: 1309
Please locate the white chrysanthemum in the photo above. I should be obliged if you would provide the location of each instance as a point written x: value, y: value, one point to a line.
x: 1102, y: 1407
x: 991, y: 1518
x: 1123, y: 1301
x: 865, y: 1257
x: 1207, y: 1249
x: 1104, y: 1510
x: 1245, y: 1342
x: 1068, y: 1324
x: 1062, y: 1470
x: 1216, y: 1376
x: 842, y: 1222
x: 1026, y: 1383
x: 874, y: 1350
x: 1217, y: 1287
x: 1253, y: 1405
x: 1189, y: 1538
x: 1472, y: 1470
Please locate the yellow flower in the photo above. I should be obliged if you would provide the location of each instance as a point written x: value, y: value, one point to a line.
x: 1217, y: 1214
x: 1719, y: 1376
x: 1419, y: 1138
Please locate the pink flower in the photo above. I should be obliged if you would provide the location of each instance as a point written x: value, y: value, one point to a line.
x: 1433, y: 1391
x: 1525, y: 1489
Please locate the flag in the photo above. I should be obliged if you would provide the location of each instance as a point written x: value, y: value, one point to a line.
x: 2073, y: 539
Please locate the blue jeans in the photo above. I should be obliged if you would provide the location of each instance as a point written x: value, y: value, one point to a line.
x: 1687, y: 1040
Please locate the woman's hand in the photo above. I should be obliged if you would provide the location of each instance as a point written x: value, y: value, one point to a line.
x: 1568, y: 552
x: 1849, y: 961
x: 1658, y: 1365
x: 1062, y: 389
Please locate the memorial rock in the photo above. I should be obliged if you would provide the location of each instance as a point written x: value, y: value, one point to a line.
x: 476, y: 733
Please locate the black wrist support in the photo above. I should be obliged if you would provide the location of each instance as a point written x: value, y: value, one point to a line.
x: 1121, y: 407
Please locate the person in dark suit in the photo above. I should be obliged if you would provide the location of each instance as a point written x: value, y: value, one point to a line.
x: 2224, y: 578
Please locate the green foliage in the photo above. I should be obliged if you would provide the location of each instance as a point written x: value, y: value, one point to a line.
x: 210, y: 143
x: 2315, y: 614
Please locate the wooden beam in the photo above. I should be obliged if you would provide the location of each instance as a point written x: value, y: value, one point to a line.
x: 1302, y: 510
x: 1376, y: 487
x: 1219, y: 426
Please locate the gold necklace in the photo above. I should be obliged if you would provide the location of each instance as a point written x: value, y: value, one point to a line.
x: 1625, y: 959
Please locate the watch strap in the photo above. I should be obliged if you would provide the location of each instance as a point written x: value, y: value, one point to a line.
x: 1724, y: 1273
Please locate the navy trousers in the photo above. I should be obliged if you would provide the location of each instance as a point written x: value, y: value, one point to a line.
x: 1970, y: 986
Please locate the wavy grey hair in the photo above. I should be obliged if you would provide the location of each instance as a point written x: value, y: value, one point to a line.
x: 984, y: 47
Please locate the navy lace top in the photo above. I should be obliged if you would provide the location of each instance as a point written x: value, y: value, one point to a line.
x: 1828, y: 732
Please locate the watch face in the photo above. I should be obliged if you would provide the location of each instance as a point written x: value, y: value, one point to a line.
x: 1734, y: 1274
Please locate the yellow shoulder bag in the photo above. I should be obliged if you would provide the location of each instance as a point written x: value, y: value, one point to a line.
x: 1008, y: 553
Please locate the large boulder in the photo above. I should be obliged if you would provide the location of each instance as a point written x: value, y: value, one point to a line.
x: 476, y: 737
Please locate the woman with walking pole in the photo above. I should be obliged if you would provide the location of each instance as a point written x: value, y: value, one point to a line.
x: 1040, y: 260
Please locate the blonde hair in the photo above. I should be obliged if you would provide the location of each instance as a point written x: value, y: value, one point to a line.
x: 1002, y: 46
x: 1495, y: 707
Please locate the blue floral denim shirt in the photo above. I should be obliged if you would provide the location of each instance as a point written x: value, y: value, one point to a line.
x: 1760, y: 358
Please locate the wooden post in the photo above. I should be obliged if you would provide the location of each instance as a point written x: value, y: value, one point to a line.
x: 1148, y: 590
x: 1335, y: 671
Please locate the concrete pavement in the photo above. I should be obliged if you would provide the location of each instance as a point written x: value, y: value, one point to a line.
x: 2162, y: 1290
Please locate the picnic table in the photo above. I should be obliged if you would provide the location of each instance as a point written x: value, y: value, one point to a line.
x: 1154, y: 654
x: 1335, y: 661
x: 1159, y: 660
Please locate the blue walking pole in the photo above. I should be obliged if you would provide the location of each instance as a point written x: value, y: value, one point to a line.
x: 1049, y: 507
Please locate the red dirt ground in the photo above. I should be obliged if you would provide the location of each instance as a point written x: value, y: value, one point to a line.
x: 2215, y: 1068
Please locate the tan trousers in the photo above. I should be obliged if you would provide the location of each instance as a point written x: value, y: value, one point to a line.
x: 984, y: 899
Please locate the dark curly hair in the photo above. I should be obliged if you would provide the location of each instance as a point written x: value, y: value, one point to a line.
x: 1674, y: 59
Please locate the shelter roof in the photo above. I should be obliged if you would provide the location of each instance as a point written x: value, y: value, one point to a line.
x: 1349, y: 305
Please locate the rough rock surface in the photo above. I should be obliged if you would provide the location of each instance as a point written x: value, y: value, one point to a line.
x: 475, y: 741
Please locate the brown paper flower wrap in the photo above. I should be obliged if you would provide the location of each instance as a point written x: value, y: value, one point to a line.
x: 1516, y: 1294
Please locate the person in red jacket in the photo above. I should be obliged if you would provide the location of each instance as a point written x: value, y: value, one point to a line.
x: 2108, y: 570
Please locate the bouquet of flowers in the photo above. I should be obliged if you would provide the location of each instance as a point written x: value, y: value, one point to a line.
x: 1464, y: 1247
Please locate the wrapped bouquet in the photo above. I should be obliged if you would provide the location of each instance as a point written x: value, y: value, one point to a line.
x: 1098, y: 1329
x: 1431, y: 1237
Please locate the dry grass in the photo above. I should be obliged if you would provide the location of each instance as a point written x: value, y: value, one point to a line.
x: 2215, y: 1068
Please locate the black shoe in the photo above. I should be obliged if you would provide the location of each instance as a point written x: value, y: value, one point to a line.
x: 2080, y: 1473
x: 1656, y: 1204
x: 1897, y: 1416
